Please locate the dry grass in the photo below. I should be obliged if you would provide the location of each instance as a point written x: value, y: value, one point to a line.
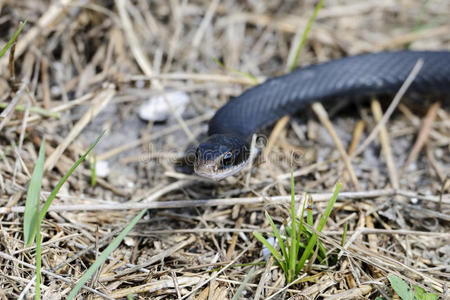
x: 95, y: 62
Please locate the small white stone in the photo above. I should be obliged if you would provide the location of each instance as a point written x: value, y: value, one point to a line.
x: 101, y: 169
x: 55, y: 90
x: 140, y: 84
x: 130, y: 242
x: 156, y: 109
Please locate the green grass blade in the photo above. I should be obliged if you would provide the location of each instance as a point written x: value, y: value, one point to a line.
x: 38, y: 258
x: 293, y: 249
x: 301, y: 227
x: 292, y: 258
x: 33, y: 109
x: 243, y: 284
x: 64, y: 179
x: 329, y: 208
x: 104, y: 255
x: 312, y: 241
x: 309, y: 214
x: 311, y: 20
x: 245, y: 74
x: 32, y: 202
x: 277, y: 235
x: 344, y: 234
x: 306, y: 253
x: 272, y: 250
x: 11, y: 41
x: 293, y: 214
x: 268, y: 245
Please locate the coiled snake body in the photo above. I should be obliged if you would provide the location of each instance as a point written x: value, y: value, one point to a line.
x: 226, y: 150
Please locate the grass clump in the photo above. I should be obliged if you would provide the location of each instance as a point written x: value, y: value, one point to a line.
x: 300, y: 243
x: 34, y: 217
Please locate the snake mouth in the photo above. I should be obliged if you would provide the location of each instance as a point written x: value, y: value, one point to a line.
x: 212, y: 171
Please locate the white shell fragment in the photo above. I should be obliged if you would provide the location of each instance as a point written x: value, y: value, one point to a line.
x: 156, y: 109
x: 130, y: 242
x: 265, y: 251
x: 101, y: 168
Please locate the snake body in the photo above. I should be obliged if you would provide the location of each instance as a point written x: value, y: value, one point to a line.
x: 223, y: 153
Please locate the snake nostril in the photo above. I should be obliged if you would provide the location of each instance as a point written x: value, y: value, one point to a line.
x: 197, y: 154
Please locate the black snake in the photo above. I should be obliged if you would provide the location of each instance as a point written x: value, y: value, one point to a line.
x: 226, y: 150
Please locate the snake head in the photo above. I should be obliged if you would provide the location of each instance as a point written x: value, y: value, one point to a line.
x: 220, y: 156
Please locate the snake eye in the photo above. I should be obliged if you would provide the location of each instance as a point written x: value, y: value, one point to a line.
x: 227, y: 159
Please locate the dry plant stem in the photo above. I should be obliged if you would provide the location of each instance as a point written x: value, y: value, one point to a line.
x: 48, y: 20
x: 145, y: 65
x: 85, y: 250
x: 445, y: 183
x: 6, y: 113
x: 45, y: 84
x: 167, y: 189
x: 373, y: 240
x: 27, y: 288
x: 23, y: 127
x: 97, y: 106
x: 357, y: 135
x: 59, y: 108
x: 251, y: 161
x: 286, y: 287
x: 154, y: 259
x: 234, y: 240
x: 274, y: 136
x: 70, y: 236
x: 175, y: 284
x: 412, y: 75
x: 12, y: 73
x: 437, y: 168
x: 423, y: 134
x: 25, y: 264
x: 354, y: 293
x: 405, y: 39
x: 267, y: 287
x: 385, y: 144
x: 164, y: 132
x: 323, y: 117
x: 361, y: 231
x: 205, y: 23
x: 264, y: 277
x: 220, y: 271
x: 156, y: 286
x: 197, y: 77
x: 305, y: 170
x: 380, y: 261
x: 150, y: 204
